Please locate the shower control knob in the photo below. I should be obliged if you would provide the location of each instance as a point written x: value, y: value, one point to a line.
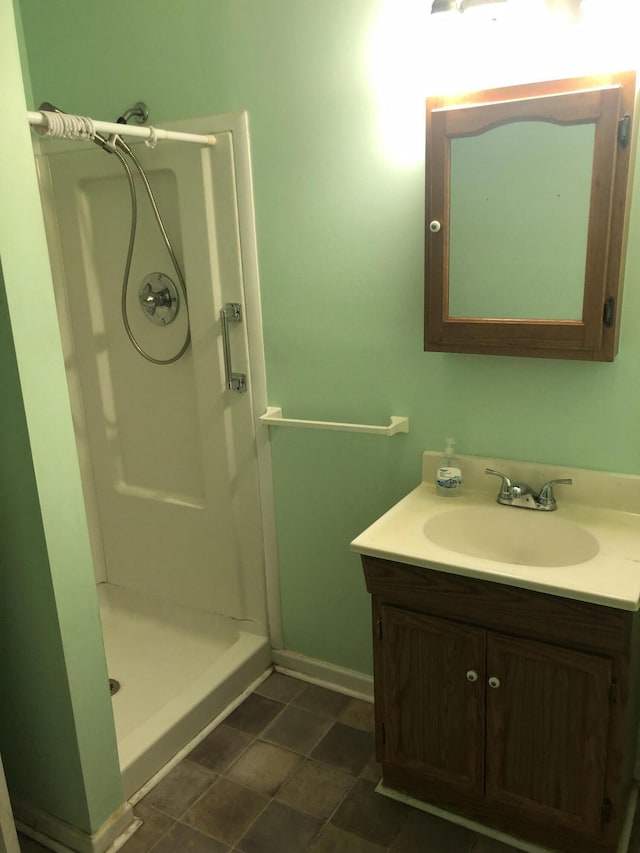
x: 158, y: 297
x: 156, y: 300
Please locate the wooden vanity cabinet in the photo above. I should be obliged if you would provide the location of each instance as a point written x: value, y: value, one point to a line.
x: 514, y: 708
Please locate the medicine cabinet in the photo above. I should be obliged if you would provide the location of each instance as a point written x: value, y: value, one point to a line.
x: 526, y: 202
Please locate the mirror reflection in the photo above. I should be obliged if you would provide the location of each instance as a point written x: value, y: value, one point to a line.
x: 519, y: 211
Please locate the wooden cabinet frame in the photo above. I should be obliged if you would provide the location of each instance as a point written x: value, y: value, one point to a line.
x: 608, y: 102
x: 568, y: 666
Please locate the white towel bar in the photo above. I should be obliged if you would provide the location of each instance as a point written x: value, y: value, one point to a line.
x: 273, y: 417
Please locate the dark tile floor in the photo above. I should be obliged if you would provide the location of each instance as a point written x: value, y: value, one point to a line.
x: 291, y: 770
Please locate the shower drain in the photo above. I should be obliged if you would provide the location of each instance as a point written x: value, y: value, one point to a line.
x: 114, y: 686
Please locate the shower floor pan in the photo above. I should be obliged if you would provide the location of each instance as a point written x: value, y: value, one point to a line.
x: 178, y: 669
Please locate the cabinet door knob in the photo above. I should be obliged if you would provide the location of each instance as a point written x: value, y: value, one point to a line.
x: 434, y: 226
x: 472, y: 675
x: 494, y: 682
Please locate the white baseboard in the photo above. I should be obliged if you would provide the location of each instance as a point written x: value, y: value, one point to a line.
x: 56, y: 834
x: 325, y: 674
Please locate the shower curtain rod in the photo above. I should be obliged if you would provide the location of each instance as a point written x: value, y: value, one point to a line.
x: 150, y: 134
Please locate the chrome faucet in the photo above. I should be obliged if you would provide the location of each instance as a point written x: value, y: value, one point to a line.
x: 513, y: 493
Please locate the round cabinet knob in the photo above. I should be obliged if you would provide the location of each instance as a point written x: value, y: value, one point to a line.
x: 472, y: 675
x: 434, y: 226
x: 494, y: 682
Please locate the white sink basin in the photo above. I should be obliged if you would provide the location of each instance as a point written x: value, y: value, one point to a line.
x: 510, y: 535
x: 588, y: 550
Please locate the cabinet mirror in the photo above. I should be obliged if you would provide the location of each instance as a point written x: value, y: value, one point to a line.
x: 526, y: 196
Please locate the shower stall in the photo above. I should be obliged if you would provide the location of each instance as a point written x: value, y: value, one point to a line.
x: 170, y: 461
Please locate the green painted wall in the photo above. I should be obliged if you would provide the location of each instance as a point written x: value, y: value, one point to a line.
x: 56, y: 727
x: 340, y: 233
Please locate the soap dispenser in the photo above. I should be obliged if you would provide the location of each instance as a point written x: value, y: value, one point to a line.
x: 449, y: 475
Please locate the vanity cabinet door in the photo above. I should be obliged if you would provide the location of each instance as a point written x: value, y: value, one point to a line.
x: 433, y: 698
x: 547, y: 725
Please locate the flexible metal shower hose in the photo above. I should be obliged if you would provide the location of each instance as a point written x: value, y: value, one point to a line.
x: 132, y: 239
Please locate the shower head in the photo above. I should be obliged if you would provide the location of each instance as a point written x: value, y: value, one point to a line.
x: 49, y: 108
x: 140, y: 112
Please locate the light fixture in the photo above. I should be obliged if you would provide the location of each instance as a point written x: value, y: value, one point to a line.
x: 467, y: 5
x: 463, y: 5
x: 569, y: 9
x: 444, y: 6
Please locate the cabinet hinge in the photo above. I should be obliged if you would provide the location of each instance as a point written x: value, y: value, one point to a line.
x: 624, y: 130
x: 605, y: 811
x: 613, y: 691
x: 379, y: 627
x: 609, y: 311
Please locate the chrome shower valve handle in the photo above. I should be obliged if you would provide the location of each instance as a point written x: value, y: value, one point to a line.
x: 159, y: 298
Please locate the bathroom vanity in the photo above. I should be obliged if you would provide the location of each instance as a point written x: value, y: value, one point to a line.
x: 508, y: 693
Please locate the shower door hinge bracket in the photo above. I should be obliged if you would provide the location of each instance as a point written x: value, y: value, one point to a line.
x: 234, y: 381
x: 238, y: 382
x: 609, y: 312
x: 232, y: 311
x: 624, y: 131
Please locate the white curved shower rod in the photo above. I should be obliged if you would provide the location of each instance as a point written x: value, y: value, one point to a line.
x: 148, y: 133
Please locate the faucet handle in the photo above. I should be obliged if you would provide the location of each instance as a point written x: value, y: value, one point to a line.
x: 546, y: 497
x: 506, y: 487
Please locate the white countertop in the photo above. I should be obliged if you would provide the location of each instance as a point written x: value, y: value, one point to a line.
x: 611, y: 578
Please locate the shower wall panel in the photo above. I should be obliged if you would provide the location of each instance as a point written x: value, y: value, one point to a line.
x: 168, y: 454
